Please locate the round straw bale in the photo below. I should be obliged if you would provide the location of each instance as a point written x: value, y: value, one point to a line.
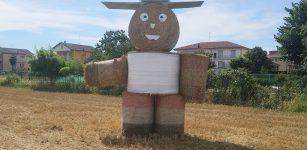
x: 154, y: 27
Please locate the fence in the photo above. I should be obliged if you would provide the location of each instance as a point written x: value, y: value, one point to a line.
x: 265, y: 79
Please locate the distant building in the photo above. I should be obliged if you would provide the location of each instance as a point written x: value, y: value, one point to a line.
x: 68, y: 50
x: 222, y: 51
x: 278, y: 64
x: 21, y: 61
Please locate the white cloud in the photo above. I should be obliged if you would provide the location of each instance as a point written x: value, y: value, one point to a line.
x: 23, y: 17
x: 225, y: 24
x: 80, y: 38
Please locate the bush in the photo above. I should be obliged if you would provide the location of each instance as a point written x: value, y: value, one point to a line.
x: 75, y: 67
x: 10, y: 80
x: 2, y: 79
x: 233, y: 87
x: 73, y: 84
x: 114, y: 90
x: 265, y: 79
x: 298, y: 104
x: 65, y: 71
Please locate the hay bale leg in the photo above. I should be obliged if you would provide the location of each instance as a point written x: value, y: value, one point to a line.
x: 137, y: 114
x: 169, y: 115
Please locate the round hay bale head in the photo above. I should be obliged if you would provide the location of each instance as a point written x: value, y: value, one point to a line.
x: 154, y: 27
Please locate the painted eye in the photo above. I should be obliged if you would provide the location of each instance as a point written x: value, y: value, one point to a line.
x: 162, y: 17
x: 144, y: 16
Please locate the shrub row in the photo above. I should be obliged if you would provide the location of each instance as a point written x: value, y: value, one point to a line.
x: 238, y: 87
x: 71, y: 83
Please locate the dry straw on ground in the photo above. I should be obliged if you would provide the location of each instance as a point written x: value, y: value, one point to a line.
x: 42, y: 120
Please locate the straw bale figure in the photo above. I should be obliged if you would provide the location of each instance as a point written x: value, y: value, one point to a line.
x: 158, y: 82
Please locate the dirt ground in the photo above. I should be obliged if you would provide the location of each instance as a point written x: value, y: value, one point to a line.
x: 44, y: 120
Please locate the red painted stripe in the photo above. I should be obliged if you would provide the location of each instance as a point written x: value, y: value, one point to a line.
x: 170, y: 102
x: 137, y: 100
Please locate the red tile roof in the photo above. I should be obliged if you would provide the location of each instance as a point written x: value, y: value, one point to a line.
x: 14, y: 51
x: 76, y: 47
x: 273, y: 53
x: 211, y: 45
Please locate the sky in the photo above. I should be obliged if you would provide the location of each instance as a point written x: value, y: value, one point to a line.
x: 30, y: 24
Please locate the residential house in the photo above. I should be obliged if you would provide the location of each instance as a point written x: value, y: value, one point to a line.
x: 222, y: 51
x: 68, y: 50
x: 21, y: 61
x: 279, y: 65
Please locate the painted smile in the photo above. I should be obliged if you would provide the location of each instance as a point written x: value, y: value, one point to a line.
x: 152, y: 37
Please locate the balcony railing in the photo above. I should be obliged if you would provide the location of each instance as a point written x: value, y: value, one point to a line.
x: 225, y: 57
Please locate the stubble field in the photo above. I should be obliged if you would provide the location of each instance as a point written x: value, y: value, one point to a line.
x: 44, y: 120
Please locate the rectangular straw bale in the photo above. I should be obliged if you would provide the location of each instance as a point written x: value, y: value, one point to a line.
x: 193, y: 77
x: 153, y: 73
x: 107, y: 73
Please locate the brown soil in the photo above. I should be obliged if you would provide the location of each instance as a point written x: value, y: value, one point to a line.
x: 44, y: 120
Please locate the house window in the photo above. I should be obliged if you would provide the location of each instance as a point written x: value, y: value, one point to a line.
x: 232, y: 53
x: 22, y: 65
x: 214, y: 55
x: 67, y: 55
x: 22, y: 57
x: 220, y: 54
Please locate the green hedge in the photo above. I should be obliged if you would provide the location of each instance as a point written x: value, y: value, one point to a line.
x: 236, y: 87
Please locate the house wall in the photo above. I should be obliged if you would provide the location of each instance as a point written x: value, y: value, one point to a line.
x: 1, y: 61
x: 21, y: 62
x: 282, y: 65
x: 68, y: 53
x: 81, y: 55
x: 61, y: 48
x: 65, y: 54
x: 221, y: 56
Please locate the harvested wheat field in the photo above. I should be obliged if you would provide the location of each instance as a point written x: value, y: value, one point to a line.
x: 44, y: 120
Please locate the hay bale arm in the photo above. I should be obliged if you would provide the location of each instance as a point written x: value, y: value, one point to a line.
x: 107, y: 73
x: 193, y: 76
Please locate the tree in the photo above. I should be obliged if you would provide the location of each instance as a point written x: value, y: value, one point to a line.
x: 73, y: 66
x: 46, y: 63
x: 211, y: 63
x: 113, y: 45
x: 258, y: 60
x: 13, y: 60
x: 240, y: 62
x: 292, y: 36
x: 254, y: 60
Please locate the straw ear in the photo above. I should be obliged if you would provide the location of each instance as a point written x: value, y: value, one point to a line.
x: 122, y: 5
x: 136, y: 5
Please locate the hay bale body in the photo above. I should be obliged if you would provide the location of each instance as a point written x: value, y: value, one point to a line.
x: 137, y: 114
x: 107, y: 73
x: 153, y: 73
x: 149, y: 20
x: 169, y: 115
x: 193, y: 77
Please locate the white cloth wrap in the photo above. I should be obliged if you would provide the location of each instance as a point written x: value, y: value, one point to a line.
x: 153, y: 73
